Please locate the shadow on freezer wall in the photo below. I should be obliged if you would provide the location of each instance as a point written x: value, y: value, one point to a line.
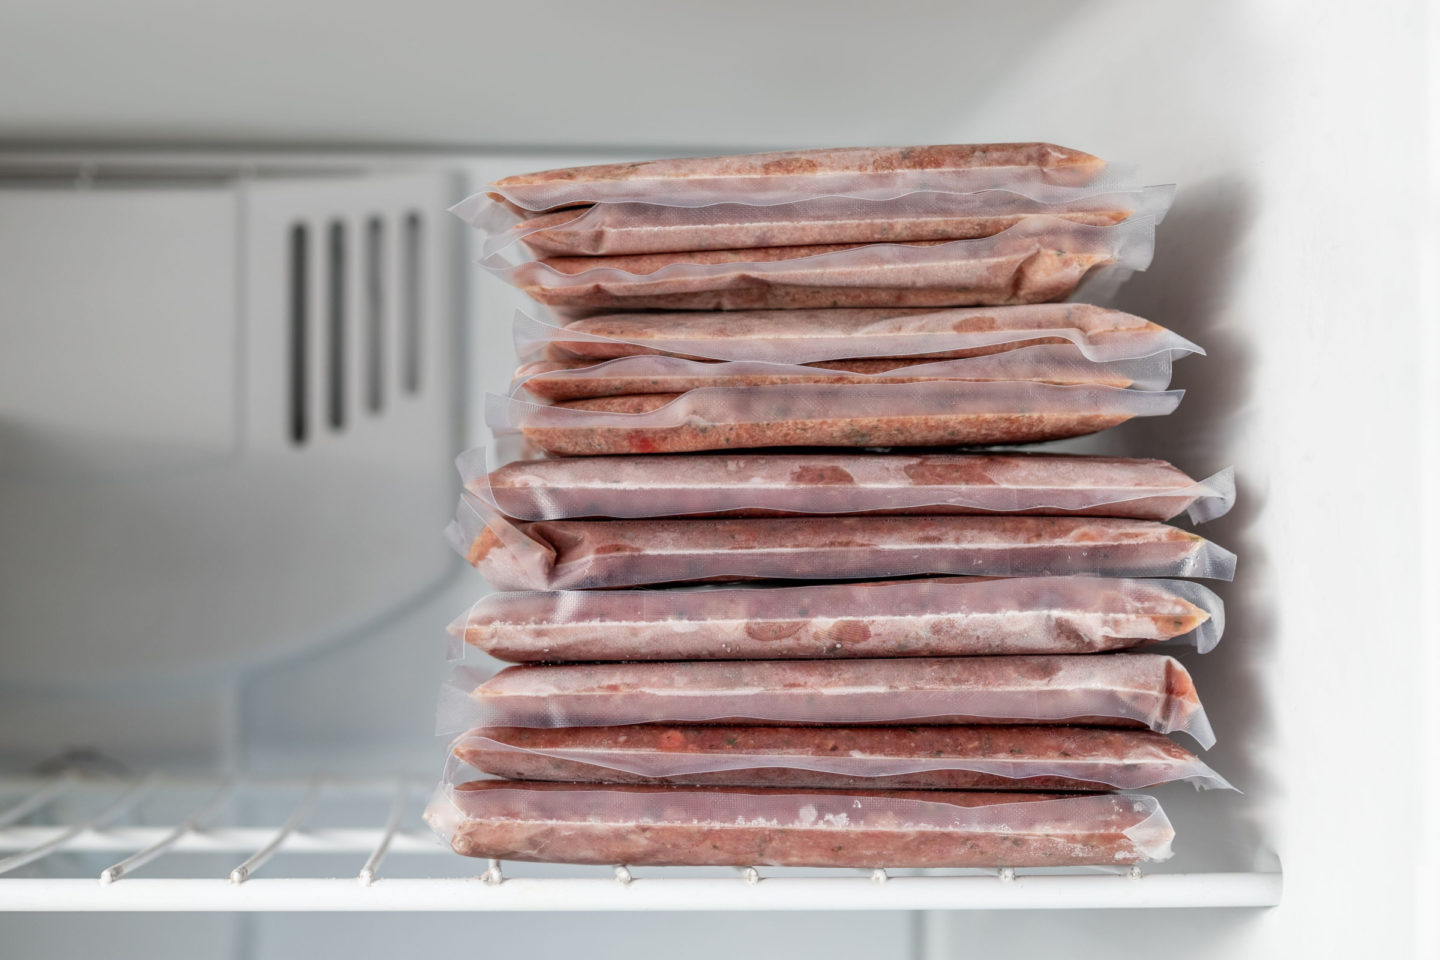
x: 1200, y: 248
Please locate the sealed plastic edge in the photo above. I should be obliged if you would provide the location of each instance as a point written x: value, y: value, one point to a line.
x: 533, y: 561
x: 724, y: 405
x: 455, y: 707
x: 836, y: 601
x: 502, y: 227
x: 1178, y: 714
x: 1211, y: 497
x: 1186, y: 716
x: 1041, y: 363
x: 530, y: 563
x: 838, y: 810
x: 1032, y: 182
x: 441, y: 814
x: 1128, y: 246
x: 455, y: 633
x: 1209, y: 561
x: 1155, y: 835
x: 469, y: 521
x: 1141, y: 774
x: 1136, y: 243
x: 1206, y: 636
x: 472, y: 463
x: 532, y: 334
x: 731, y: 405
x: 1155, y: 201
x: 1218, y: 499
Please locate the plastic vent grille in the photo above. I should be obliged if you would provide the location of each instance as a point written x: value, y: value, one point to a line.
x: 387, y: 254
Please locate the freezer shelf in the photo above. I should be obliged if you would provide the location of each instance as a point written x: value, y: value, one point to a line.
x: 273, y: 817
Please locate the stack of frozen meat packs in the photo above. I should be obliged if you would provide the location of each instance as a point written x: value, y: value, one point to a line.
x: 771, y: 597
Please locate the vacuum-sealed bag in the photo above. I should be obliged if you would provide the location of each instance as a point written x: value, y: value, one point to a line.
x: 890, y: 758
x: 790, y: 175
x: 924, y: 414
x: 838, y: 483
x: 811, y: 336
x: 1114, y: 690
x: 965, y: 616
x: 1036, y: 260
x: 720, y: 826
x: 625, y: 376
x: 615, y: 229
x: 585, y: 554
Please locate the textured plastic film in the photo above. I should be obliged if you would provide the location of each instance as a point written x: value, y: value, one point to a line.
x: 768, y: 484
x: 787, y: 176
x: 1037, y: 260
x: 902, y: 618
x: 813, y: 336
x: 924, y: 414
x: 579, y: 380
x: 697, y: 826
x: 590, y: 554
x: 1120, y: 689
x: 923, y: 757
x: 612, y: 229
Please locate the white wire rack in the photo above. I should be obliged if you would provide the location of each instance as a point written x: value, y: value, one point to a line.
x: 53, y: 830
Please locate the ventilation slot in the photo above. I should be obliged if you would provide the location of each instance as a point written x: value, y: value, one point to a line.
x: 375, y: 315
x: 411, y: 306
x: 299, y: 331
x: 335, y: 326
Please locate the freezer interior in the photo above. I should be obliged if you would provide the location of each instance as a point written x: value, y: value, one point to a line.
x: 1300, y: 253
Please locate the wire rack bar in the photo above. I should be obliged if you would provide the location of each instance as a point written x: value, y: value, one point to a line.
x: 397, y: 811
x: 81, y: 784
x: 488, y: 888
x: 151, y: 851
x: 775, y: 893
x: 240, y: 840
x: 125, y: 801
x: 44, y: 791
x: 260, y: 857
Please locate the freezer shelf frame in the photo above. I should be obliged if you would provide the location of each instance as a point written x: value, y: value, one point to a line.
x: 116, y: 889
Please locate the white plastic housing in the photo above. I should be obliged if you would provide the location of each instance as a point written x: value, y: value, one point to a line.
x: 201, y: 471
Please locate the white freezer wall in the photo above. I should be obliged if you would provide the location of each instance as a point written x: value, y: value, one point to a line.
x: 1298, y: 135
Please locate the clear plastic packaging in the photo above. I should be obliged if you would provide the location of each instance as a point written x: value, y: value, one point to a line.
x: 561, y: 381
x: 618, y: 229
x: 901, y: 618
x: 925, y: 414
x: 839, y: 483
x: 1037, y: 260
x: 718, y: 826
x: 812, y: 336
x: 876, y: 758
x: 787, y: 176
x: 587, y: 554
x: 1114, y: 690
